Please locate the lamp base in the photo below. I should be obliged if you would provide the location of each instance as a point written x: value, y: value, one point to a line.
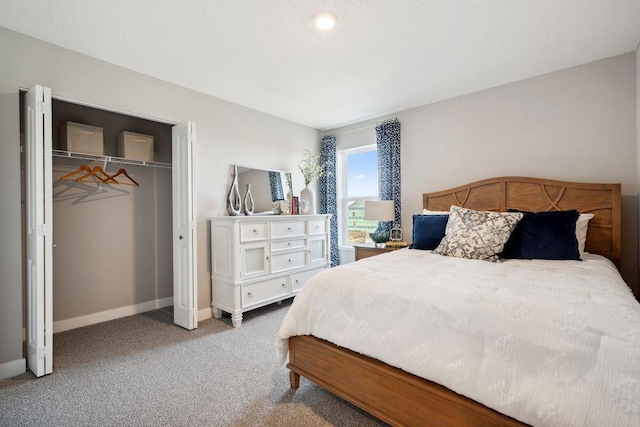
x: 380, y: 238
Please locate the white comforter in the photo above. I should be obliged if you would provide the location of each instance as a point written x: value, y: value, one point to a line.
x: 550, y: 343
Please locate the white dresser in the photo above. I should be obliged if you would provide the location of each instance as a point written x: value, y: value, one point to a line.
x: 259, y: 260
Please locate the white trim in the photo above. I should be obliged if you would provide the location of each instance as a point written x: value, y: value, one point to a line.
x: 13, y: 368
x: 341, y: 189
x: 110, y: 109
x: 205, y: 313
x: 105, y: 316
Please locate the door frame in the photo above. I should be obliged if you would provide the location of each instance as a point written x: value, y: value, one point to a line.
x: 38, y: 159
x: 39, y: 230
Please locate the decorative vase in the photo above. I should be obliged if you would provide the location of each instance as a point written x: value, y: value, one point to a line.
x: 248, y: 204
x: 234, y: 200
x: 308, y: 201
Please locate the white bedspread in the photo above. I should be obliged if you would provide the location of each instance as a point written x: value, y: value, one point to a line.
x: 550, y: 343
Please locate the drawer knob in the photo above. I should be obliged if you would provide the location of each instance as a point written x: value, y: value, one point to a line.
x: 290, y: 261
x: 250, y: 295
x: 289, y: 228
x: 284, y: 285
x: 255, y: 231
x: 267, y: 257
x: 289, y: 244
x: 297, y: 280
x: 317, y: 226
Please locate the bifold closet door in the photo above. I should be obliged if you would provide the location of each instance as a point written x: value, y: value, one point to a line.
x: 39, y: 230
x: 185, y: 288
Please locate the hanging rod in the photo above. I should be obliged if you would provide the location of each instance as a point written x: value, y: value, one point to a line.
x: 109, y: 159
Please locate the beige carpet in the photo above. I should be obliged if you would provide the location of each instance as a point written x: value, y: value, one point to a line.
x: 143, y: 370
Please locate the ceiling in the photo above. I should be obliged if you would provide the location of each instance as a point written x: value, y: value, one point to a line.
x: 383, y: 56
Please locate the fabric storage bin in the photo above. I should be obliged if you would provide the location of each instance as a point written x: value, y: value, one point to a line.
x: 81, y: 138
x: 135, y: 146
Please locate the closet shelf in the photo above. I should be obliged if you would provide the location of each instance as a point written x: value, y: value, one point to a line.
x: 109, y: 159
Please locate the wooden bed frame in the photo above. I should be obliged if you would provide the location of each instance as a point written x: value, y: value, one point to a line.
x: 403, y: 399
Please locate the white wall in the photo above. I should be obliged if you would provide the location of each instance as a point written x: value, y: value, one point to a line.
x: 577, y: 124
x: 226, y: 134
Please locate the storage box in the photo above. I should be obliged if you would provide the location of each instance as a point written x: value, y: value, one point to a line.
x: 80, y: 138
x: 135, y: 146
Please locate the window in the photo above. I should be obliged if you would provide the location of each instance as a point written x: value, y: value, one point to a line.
x: 357, y: 181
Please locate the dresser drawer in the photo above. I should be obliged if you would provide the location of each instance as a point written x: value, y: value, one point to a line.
x: 288, y: 244
x: 299, y: 279
x: 250, y: 231
x: 287, y: 261
x: 317, y: 226
x: 287, y: 229
x: 260, y: 292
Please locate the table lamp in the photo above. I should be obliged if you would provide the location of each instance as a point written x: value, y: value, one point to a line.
x: 379, y: 210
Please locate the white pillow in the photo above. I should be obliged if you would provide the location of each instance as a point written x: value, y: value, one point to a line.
x: 582, y: 225
x: 428, y: 212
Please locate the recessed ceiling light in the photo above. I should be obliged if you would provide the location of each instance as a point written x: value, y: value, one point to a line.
x: 324, y: 20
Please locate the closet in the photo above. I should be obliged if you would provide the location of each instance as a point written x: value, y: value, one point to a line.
x: 100, y: 244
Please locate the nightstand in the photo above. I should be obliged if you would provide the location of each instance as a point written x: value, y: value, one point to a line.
x: 365, y: 251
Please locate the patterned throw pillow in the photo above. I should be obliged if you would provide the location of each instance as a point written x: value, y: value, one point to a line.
x: 477, y: 234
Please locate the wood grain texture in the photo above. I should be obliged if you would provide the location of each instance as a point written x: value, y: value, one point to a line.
x: 369, y: 251
x: 402, y: 399
x: 391, y: 394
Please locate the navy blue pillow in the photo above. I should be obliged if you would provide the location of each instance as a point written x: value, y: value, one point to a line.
x: 544, y: 235
x: 428, y: 230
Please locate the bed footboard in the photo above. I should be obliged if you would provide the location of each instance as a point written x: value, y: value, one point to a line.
x: 391, y: 394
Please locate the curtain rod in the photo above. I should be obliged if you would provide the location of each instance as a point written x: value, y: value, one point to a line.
x: 329, y: 133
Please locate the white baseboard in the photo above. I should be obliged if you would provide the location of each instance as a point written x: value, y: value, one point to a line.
x: 205, y: 314
x: 116, y: 313
x: 13, y: 368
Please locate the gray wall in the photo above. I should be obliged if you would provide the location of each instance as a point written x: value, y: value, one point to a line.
x: 577, y: 124
x: 226, y: 134
x: 637, y: 290
x: 113, y: 243
x: 10, y: 229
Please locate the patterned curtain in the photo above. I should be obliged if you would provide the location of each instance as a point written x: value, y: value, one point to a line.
x: 388, y: 141
x: 328, y: 195
x: 275, y: 181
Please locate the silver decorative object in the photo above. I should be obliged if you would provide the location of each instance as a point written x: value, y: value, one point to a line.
x: 234, y: 200
x: 248, y: 204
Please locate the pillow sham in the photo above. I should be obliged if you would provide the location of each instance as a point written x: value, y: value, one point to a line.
x: 544, y: 235
x: 428, y: 231
x: 582, y: 225
x: 477, y: 234
x: 428, y: 212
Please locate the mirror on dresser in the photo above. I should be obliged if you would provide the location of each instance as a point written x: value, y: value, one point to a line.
x: 267, y: 186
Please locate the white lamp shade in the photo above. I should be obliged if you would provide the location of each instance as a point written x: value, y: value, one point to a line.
x: 379, y: 210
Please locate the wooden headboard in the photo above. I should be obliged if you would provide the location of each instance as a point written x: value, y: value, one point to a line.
x: 538, y: 195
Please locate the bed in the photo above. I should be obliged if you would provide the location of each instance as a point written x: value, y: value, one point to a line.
x: 400, y: 397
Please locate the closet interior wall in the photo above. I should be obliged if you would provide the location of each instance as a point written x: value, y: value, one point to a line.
x: 113, y: 242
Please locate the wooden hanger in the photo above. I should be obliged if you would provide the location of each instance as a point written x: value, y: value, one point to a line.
x: 97, y: 171
x: 121, y: 171
x: 83, y: 168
